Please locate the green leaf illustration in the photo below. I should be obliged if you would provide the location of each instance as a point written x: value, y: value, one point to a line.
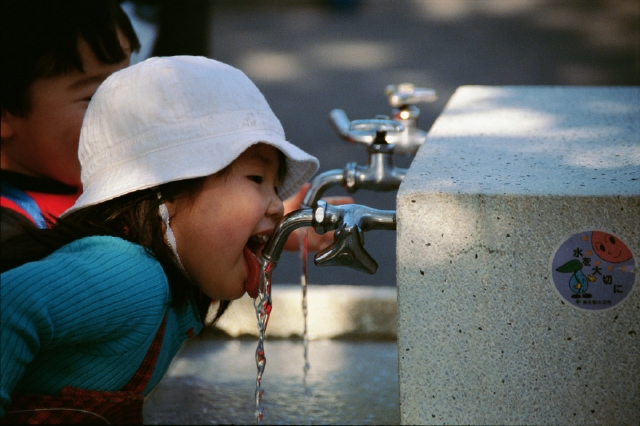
x: 573, y: 265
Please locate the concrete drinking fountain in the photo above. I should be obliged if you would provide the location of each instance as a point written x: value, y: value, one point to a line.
x: 518, y: 236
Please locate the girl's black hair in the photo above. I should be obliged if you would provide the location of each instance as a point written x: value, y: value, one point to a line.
x: 132, y: 217
x: 40, y: 39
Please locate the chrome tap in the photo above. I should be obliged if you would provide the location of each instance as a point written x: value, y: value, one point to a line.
x: 350, y: 221
x: 402, y: 98
x: 379, y: 175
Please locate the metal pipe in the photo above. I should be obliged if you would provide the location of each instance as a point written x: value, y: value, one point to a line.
x: 321, y: 184
x: 288, y: 224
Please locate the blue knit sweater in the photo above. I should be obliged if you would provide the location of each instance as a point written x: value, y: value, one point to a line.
x: 85, y: 317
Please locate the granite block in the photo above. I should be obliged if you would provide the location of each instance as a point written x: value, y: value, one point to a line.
x: 506, y: 175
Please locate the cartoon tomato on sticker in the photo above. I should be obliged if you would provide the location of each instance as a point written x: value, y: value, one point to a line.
x: 609, y: 247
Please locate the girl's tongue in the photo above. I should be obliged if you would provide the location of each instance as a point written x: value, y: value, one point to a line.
x: 253, y: 280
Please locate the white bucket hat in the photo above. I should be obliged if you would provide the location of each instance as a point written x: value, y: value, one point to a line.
x: 173, y: 118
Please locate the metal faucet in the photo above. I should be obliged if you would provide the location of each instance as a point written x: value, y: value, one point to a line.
x: 350, y: 221
x: 379, y: 175
x: 402, y: 98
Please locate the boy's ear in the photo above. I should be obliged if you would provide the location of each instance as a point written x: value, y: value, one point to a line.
x: 6, y: 127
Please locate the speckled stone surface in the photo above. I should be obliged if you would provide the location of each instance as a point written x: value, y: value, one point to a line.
x: 505, y: 176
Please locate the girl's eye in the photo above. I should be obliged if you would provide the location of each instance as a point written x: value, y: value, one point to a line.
x: 256, y: 179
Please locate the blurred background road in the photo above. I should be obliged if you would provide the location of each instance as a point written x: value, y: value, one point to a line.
x: 309, y: 57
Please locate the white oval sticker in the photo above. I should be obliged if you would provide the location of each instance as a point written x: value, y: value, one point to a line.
x: 593, y: 270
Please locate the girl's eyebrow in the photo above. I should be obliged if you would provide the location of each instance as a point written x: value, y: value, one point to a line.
x: 262, y: 158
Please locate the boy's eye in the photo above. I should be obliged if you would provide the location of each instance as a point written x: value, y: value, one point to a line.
x: 256, y: 179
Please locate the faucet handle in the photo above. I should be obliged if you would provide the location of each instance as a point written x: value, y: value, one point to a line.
x: 362, y: 131
x: 347, y: 250
x: 407, y: 94
x: 374, y: 125
x: 340, y: 122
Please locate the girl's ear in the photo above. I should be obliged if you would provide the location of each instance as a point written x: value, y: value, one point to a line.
x: 6, y: 127
x: 167, y: 201
x: 171, y: 207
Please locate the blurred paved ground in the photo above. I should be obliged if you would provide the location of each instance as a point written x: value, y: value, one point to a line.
x: 213, y: 382
x: 309, y: 58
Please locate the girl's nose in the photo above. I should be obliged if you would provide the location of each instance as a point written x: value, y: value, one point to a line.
x: 276, y: 207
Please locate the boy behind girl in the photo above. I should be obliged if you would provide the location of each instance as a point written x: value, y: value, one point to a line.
x: 55, y: 54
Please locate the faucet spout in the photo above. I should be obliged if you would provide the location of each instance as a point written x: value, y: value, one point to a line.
x: 380, y: 174
x: 294, y: 220
x: 321, y: 184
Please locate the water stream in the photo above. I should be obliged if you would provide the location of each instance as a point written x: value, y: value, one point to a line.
x: 304, y: 238
x: 263, y: 305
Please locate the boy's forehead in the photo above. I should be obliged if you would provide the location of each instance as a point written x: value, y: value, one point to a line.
x: 90, y: 59
x: 94, y: 71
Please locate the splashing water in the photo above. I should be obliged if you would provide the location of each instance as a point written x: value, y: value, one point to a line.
x: 262, y: 305
x: 304, y: 235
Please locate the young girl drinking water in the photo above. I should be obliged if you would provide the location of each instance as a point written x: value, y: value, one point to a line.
x: 184, y: 167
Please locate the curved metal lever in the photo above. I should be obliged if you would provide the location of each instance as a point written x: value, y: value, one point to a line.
x: 340, y: 122
x: 348, y: 250
x: 351, y: 222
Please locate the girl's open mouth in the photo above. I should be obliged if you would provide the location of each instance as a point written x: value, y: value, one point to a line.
x: 253, y: 257
x: 256, y: 243
x: 251, y: 285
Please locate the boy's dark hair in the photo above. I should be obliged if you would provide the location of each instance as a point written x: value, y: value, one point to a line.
x: 40, y: 39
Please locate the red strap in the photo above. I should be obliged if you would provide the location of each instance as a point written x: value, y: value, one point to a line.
x: 75, y: 405
x: 8, y: 204
x: 140, y: 380
x: 53, y: 204
x: 49, y: 204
